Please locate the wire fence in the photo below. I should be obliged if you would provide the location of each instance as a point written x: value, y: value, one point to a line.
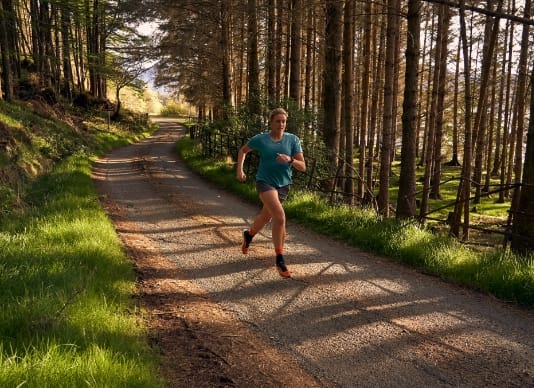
x: 218, y: 144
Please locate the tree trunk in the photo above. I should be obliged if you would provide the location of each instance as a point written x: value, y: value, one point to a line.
x: 499, y: 129
x: 523, y: 226
x: 78, y: 57
x: 118, y: 105
x: 348, y: 101
x: 240, y: 79
x: 295, y: 83
x: 506, y: 137
x: 464, y: 188
x: 92, y: 44
x: 270, y: 59
x: 7, y: 84
x: 520, y: 110
x: 101, y: 37
x: 332, y: 82
x: 226, y: 58
x: 364, y: 99
x: 454, y: 162
x: 406, y: 207
x: 392, y: 32
x: 378, y: 60
x: 308, y: 72
x: 423, y: 71
x: 442, y: 46
x: 428, y: 100
x: 55, y: 51
x: 479, y: 140
x: 432, y: 125
x: 68, y: 79
x: 286, y: 60
x: 491, y: 125
x: 278, y: 51
x: 254, y: 98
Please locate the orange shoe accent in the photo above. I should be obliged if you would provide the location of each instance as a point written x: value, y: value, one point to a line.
x: 285, y: 274
x: 244, y: 247
x: 281, y: 266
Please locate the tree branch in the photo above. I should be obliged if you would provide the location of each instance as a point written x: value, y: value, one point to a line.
x: 484, y: 11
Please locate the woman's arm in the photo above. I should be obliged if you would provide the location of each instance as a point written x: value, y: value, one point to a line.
x: 243, y: 151
x: 298, y: 162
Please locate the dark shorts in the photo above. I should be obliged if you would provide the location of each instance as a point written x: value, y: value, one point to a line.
x: 262, y: 186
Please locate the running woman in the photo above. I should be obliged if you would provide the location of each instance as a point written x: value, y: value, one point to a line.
x: 279, y: 153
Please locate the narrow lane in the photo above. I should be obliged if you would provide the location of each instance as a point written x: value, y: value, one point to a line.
x: 348, y: 317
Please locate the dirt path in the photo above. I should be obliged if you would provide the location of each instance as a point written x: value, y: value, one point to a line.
x: 347, y: 318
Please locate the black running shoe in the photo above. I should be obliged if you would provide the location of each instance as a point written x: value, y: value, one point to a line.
x: 247, y: 239
x: 281, y: 267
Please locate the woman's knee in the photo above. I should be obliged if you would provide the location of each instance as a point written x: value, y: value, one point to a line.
x: 279, y: 218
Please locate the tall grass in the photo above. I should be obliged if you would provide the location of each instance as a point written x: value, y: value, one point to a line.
x: 498, y: 272
x: 66, y: 315
x: 67, y: 318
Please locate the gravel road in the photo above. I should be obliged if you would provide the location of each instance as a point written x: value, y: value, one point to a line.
x: 347, y: 317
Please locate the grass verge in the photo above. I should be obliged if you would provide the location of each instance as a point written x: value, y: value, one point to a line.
x: 67, y: 318
x: 499, y: 272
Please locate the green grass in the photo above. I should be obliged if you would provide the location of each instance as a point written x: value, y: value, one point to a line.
x: 487, y: 211
x: 67, y: 317
x: 497, y: 272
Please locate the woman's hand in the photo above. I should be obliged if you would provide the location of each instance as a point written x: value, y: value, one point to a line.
x: 283, y: 158
x: 241, y: 176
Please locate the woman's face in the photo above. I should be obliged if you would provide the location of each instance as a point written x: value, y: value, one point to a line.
x: 278, y: 122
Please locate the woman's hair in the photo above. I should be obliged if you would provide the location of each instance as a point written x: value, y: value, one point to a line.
x: 277, y: 111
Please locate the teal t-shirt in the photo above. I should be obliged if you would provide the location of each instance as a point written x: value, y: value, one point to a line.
x: 269, y: 170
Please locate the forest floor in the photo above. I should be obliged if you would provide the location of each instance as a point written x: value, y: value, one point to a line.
x: 346, y: 318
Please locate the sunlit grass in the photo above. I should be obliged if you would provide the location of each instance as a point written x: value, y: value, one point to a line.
x: 498, y: 272
x: 66, y: 286
x: 52, y: 364
x: 67, y: 318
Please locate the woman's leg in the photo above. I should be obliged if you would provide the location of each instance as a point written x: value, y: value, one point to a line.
x: 273, y: 208
x: 261, y: 220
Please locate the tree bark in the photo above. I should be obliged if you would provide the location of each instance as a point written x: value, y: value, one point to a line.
x: 406, y: 206
x: 464, y: 188
x: 332, y: 82
x: 364, y: 99
x: 270, y: 59
x: 480, y: 125
x: 254, y: 97
x: 454, y: 162
x: 392, y: 31
x: 295, y: 83
x: 226, y: 58
x: 7, y: 84
x: 523, y: 226
x: 501, y: 106
x: 348, y: 101
x: 442, y: 46
x: 506, y: 137
x: 309, y: 99
x: 378, y: 60
x: 520, y: 110
x: 68, y: 79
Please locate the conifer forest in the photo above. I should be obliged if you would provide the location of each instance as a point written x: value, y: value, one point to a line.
x: 393, y: 92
